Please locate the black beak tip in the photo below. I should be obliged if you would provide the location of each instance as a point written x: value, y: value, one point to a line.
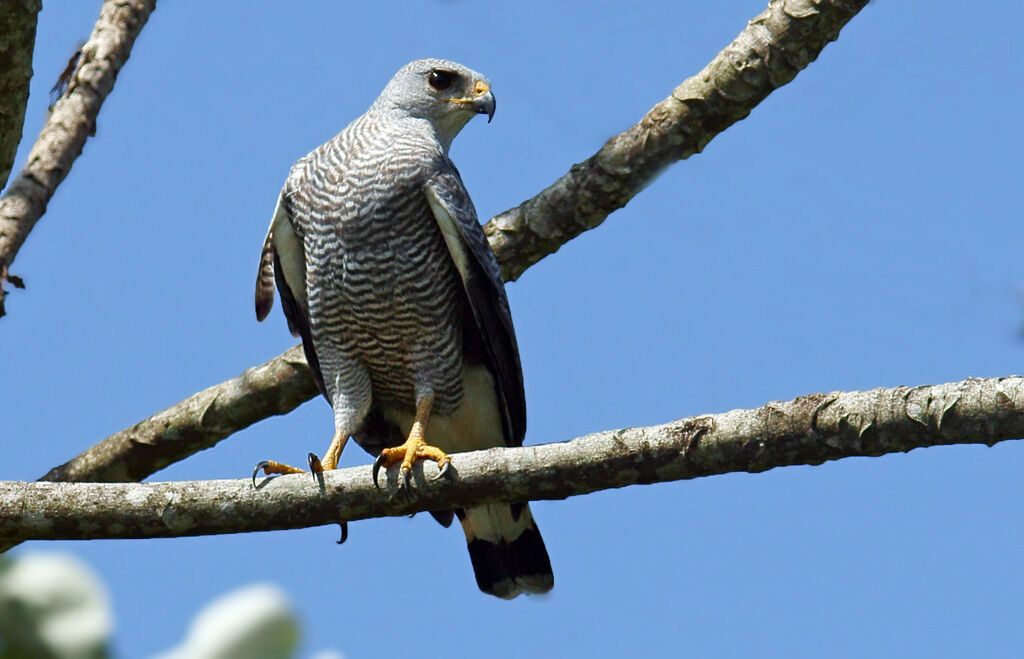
x: 486, y: 105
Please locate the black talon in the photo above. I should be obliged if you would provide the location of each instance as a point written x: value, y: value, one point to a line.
x: 260, y: 465
x: 377, y: 464
x: 315, y: 467
x: 344, y: 532
x: 405, y: 491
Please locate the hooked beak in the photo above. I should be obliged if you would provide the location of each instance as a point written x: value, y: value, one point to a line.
x: 484, y: 104
x: 482, y: 100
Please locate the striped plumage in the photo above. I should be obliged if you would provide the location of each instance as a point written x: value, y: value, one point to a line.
x: 384, y: 271
x: 384, y: 296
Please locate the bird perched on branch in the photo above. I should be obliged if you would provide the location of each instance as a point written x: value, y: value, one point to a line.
x: 385, y: 273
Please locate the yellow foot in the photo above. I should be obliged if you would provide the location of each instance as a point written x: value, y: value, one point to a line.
x: 330, y: 461
x: 412, y: 450
x: 415, y: 448
x: 271, y: 467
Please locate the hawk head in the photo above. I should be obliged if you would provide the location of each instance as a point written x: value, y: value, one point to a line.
x: 444, y: 93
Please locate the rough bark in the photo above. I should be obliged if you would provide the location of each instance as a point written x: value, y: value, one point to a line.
x: 196, y: 423
x: 17, y: 39
x: 807, y: 430
x: 775, y: 47
x: 770, y: 52
x: 71, y: 122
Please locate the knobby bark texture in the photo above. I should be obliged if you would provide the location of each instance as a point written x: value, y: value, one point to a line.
x: 17, y: 39
x: 807, y: 430
x: 775, y: 47
x: 770, y: 52
x: 72, y: 120
x: 196, y: 423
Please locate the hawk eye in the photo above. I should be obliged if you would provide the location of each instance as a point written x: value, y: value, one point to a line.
x: 440, y: 80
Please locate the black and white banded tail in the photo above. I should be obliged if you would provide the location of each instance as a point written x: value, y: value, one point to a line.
x: 506, y: 549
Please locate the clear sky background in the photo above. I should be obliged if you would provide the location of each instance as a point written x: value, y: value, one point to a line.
x: 861, y: 228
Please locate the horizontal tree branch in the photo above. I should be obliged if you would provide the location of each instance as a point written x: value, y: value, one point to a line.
x: 807, y: 430
x: 768, y: 53
x: 72, y: 120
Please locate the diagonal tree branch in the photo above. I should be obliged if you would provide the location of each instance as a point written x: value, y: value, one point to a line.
x: 807, y: 430
x: 17, y: 39
x: 773, y: 48
x: 71, y: 122
x: 196, y: 423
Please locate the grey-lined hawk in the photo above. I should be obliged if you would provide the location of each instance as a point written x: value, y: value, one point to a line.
x: 385, y: 273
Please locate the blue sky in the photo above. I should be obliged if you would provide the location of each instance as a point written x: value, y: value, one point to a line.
x: 860, y: 229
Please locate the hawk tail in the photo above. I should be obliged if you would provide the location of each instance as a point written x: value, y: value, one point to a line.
x: 506, y: 549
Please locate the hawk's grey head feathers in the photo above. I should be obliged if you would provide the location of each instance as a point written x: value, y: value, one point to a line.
x: 442, y: 92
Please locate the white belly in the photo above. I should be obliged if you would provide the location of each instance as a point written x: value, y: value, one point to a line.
x: 476, y: 423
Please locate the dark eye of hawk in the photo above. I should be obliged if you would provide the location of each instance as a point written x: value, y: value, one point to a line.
x: 440, y: 80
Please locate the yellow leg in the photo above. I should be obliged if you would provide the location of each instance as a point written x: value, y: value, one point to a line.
x: 415, y: 447
x: 333, y: 454
x: 329, y: 462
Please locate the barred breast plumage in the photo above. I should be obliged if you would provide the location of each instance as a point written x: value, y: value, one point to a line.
x: 381, y: 284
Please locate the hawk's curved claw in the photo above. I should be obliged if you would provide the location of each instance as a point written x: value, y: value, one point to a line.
x: 444, y: 472
x: 259, y: 465
x: 377, y: 464
x: 344, y: 532
x: 405, y: 490
x: 315, y: 467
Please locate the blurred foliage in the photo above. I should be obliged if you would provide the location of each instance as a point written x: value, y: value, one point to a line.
x: 52, y: 606
x: 255, y: 622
